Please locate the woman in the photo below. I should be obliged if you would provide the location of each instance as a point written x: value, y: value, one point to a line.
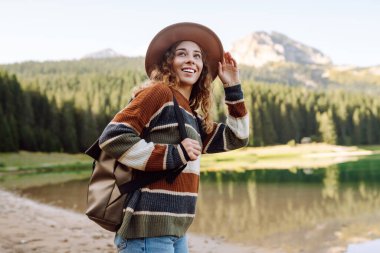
x: 182, y: 60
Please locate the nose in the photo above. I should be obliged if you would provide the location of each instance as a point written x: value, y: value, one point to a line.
x: 190, y: 59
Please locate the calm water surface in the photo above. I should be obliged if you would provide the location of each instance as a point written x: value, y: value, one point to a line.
x: 299, y: 210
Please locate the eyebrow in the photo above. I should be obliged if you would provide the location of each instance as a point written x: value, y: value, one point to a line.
x: 197, y: 51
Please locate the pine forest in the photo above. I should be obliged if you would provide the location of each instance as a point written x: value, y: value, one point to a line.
x: 64, y: 106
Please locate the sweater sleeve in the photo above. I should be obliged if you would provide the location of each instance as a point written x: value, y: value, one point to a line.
x: 121, y: 137
x: 235, y: 132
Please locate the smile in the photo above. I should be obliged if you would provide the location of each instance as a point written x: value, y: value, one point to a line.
x: 188, y: 70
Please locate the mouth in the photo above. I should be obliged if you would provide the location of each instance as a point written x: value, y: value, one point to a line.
x: 188, y: 70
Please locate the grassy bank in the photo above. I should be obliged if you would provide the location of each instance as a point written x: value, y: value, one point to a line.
x: 29, y: 161
x: 281, y: 157
x: 315, y: 155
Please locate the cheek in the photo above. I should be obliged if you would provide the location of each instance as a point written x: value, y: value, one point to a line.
x: 200, y: 65
x: 200, y: 68
x: 176, y: 66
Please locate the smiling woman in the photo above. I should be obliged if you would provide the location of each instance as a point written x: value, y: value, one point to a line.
x: 182, y: 60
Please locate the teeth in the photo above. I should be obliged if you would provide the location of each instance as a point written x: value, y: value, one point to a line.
x: 189, y: 70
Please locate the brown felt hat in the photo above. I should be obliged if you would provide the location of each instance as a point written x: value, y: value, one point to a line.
x: 200, y: 34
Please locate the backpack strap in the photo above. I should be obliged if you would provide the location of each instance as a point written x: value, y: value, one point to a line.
x: 182, y: 131
x: 94, y: 151
x: 180, y: 120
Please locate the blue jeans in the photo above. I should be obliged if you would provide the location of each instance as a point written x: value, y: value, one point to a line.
x: 162, y: 244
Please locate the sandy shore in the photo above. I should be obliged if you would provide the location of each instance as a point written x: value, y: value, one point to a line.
x: 28, y: 226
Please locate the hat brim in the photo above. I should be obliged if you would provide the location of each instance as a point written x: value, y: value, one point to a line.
x: 186, y: 31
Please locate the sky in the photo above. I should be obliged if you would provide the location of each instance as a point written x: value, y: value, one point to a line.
x: 348, y: 31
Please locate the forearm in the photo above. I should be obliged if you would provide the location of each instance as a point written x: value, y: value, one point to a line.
x: 123, y: 144
x: 234, y: 133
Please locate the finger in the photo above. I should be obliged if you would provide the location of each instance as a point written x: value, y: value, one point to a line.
x: 188, y: 140
x: 220, y: 66
x: 195, y: 142
x: 234, y: 62
x: 191, y: 144
x: 225, y: 57
x: 197, y: 153
x: 197, y: 147
x: 188, y: 146
x: 193, y: 157
x: 230, y: 60
x: 189, y: 151
x: 229, y: 57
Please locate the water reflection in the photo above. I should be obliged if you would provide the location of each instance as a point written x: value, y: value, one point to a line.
x: 285, y: 208
x: 292, y: 210
x: 71, y: 194
x: 331, y: 183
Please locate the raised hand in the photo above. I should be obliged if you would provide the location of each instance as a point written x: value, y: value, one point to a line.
x: 228, y: 71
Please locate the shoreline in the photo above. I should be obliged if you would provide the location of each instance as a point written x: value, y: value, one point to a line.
x: 312, y: 155
x: 29, y: 226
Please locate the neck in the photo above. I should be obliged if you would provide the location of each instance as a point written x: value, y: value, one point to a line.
x: 185, y: 90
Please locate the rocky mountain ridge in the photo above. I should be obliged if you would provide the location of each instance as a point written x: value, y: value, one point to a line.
x: 103, y: 54
x: 260, y: 48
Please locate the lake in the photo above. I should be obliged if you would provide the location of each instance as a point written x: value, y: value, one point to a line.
x: 297, y: 210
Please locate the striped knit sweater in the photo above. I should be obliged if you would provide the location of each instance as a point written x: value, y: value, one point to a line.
x: 163, y: 208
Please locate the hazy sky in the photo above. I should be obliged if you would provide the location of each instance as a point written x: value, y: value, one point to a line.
x: 346, y: 30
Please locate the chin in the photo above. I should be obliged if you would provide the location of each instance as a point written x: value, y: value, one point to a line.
x: 187, y: 83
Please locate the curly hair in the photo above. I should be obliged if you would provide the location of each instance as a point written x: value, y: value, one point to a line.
x: 200, y: 97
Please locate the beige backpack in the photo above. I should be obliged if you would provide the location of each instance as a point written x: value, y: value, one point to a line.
x: 111, y: 182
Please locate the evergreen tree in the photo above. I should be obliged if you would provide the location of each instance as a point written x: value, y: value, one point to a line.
x: 356, y: 124
x: 7, y: 143
x: 327, y: 128
x: 257, y: 126
x: 269, y: 135
x: 68, y: 133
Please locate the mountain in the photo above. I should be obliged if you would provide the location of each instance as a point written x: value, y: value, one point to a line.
x: 260, y: 48
x: 102, y: 54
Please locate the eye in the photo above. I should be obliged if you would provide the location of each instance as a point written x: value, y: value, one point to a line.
x: 181, y: 53
x: 198, y: 56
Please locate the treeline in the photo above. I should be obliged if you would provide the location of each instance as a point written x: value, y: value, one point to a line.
x: 281, y: 113
x: 103, y: 85
x: 29, y: 121
x: 64, y: 106
x: 292, y: 74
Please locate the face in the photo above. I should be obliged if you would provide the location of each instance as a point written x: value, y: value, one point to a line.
x: 187, y: 62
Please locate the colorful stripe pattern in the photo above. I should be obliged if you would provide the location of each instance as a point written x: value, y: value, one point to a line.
x: 162, y: 208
